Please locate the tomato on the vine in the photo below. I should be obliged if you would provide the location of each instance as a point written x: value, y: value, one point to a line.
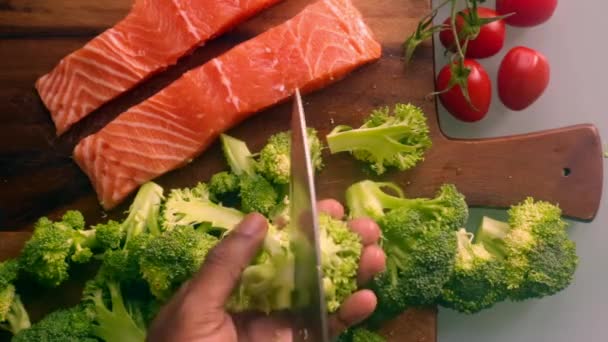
x: 475, y: 80
x: 527, y: 13
x: 489, y: 38
x: 523, y: 77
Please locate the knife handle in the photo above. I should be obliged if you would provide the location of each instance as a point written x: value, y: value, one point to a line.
x: 562, y: 166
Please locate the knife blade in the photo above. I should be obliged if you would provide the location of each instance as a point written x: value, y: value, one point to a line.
x: 310, y: 315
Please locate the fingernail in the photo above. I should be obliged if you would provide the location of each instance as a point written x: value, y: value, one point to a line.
x: 253, y: 225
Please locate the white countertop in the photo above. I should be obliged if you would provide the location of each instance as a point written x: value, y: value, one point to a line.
x: 577, y: 94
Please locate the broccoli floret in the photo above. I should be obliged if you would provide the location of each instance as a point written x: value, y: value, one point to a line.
x: 224, y: 188
x: 419, y: 260
x: 539, y: 257
x: 193, y: 206
x: 368, y: 199
x: 47, y: 254
x: 258, y: 195
x: 118, y: 321
x: 256, y: 192
x: 398, y: 139
x: 172, y: 258
x: 477, y: 281
x: 359, y: 334
x: 73, y: 324
x: 110, y: 235
x: 74, y: 219
x: 268, y: 283
x: 274, y: 162
x: 13, y: 316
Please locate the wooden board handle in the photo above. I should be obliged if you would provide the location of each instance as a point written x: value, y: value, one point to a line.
x: 563, y: 166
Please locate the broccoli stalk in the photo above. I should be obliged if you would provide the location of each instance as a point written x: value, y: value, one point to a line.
x: 144, y: 211
x: 368, y: 199
x: 477, y: 281
x: 115, y: 323
x: 539, y: 257
x: 398, y: 139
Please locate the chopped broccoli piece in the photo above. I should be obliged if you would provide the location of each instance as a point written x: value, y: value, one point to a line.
x: 13, y: 316
x: 359, y: 334
x: 224, y: 188
x: 398, y: 139
x: 73, y: 324
x: 477, y: 281
x: 256, y: 192
x: 258, y: 195
x: 368, y: 199
x: 274, y: 162
x: 172, y: 258
x: 539, y: 257
x: 144, y: 211
x: 74, y: 219
x: 420, y: 259
x: 193, y: 206
x: 238, y: 155
x: 46, y: 255
x: 268, y: 283
x: 118, y: 321
x: 110, y: 235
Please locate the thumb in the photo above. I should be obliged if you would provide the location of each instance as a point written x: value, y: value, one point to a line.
x: 223, y: 265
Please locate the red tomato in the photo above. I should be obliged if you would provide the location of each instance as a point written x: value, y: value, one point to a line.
x: 527, y: 12
x: 523, y: 77
x: 479, y: 88
x: 490, y: 37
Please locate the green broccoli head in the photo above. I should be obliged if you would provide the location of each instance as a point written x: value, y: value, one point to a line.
x: 110, y: 235
x: 268, y: 283
x: 9, y: 269
x: 193, y: 206
x: 45, y: 255
x: 398, y: 139
x: 13, y: 316
x: 172, y: 258
x: 477, y: 282
x: 274, y: 162
x: 73, y: 324
x: 340, y: 253
x: 224, y: 188
x: 540, y: 259
x: 420, y: 259
x: 369, y: 199
x: 74, y: 219
x: 113, y: 318
x: 258, y: 195
x: 359, y: 334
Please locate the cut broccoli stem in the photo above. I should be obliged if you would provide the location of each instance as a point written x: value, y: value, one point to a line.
x: 238, y: 155
x: 115, y: 324
x: 144, y: 211
x: 382, y: 141
x: 13, y: 316
x: 367, y: 199
x: 491, y: 234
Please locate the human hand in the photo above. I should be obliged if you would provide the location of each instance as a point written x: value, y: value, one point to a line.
x: 196, y: 312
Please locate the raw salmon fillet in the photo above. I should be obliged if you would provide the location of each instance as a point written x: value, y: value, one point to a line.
x: 152, y: 36
x: 323, y: 43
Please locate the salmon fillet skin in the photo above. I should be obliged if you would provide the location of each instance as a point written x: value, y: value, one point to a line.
x: 153, y: 36
x: 320, y: 45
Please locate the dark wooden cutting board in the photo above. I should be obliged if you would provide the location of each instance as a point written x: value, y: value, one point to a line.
x: 38, y: 176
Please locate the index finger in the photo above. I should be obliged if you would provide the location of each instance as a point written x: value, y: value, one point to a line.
x: 331, y: 207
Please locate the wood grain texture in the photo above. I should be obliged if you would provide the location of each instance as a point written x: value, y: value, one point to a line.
x: 38, y: 176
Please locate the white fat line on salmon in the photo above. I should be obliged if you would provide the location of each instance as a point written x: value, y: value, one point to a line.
x: 226, y: 82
